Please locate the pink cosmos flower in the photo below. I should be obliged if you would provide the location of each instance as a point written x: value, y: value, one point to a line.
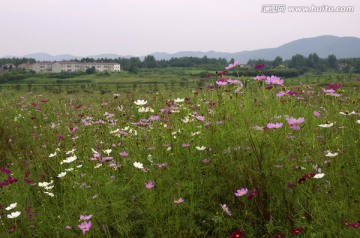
x: 274, y: 80
x: 260, y: 78
x: 222, y: 81
x: 328, y: 90
x: 85, y: 227
x: 178, y: 201
x: 241, y: 192
x: 124, y: 153
x: 85, y: 218
x: 316, y: 113
x: 226, y: 209
x: 280, y: 94
x: 230, y: 66
x: 149, y: 185
x: 274, y: 125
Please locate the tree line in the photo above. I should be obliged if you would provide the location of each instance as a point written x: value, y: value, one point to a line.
x: 298, y: 64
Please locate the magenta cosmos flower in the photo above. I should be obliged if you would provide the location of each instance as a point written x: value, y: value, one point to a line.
x: 259, y: 66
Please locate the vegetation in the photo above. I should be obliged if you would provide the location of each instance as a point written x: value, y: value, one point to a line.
x: 263, y: 157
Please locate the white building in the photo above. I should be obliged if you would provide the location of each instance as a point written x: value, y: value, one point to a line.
x: 68, y: 66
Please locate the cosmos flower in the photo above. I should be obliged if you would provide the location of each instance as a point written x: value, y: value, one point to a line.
x: 14, y: 215
x: 85, y: 218
x: 274, y: 80
x: 316, y: 113
x: 259, y: 66
x: 230, y: 66
x: 61, y: 175
x: 85, y: 227
x: 69, y: 159
x: 140, y: 102
x: 260, y: 78
x: 241, y: 192
x: 330, y: 154
x: 274, y: 125
x: 178, y: 201
x: 149, y: 185
x: 237, y: 234
x: 200, y: 148
x: 11, y: 206
x: 317, y: 176
x: 327, y: 125
x: 138, y: 165
x: 225, y: 209
x: 178, y: 100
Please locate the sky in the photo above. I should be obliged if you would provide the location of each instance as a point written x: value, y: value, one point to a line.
x: 142, y: 27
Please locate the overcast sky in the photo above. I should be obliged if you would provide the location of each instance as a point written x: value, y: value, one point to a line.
x: 141, y: 27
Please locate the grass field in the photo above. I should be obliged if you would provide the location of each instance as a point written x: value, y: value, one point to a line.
x: 208, y: 159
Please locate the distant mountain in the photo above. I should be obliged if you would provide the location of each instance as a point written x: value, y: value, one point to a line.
x: 323, y: 46
x: 48, y: 57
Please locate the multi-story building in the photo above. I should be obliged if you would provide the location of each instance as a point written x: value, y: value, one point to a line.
x: 69, y: 66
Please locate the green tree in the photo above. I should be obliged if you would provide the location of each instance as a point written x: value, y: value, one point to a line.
x: 277, y: 61
x: 331, y: 62
x: 149, y: 62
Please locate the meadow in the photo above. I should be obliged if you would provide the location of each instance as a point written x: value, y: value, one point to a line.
x: 223, y: 156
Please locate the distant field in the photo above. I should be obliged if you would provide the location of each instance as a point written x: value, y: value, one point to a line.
x: 153, y: 79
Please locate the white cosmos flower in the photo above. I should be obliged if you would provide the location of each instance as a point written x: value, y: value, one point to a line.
x: 94, y: 151
x: 69, y: 159
x: 14, y: 215
x: 69, y: 169
x: 329, y: 154
x: 138, y: 165
x: 61, y: 175
x: 326, y: 125
x: 186, y: 119
x: 200, y: 148
x: 195, y: 133
x: 319, y: 175
x: 52, y: 155
x: 140, y: 102
x: 108, y: 151
x: 112, y: 132
x: 45, y: 184
x: 358, y: 121
x: 50, y: 194
x: 98, y: 165
x: 145, y: 109
x: 11, y: 206
x: 49, y: 187
x: 70, y: 151
x: 348, y: 113
x: 179, y: 100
